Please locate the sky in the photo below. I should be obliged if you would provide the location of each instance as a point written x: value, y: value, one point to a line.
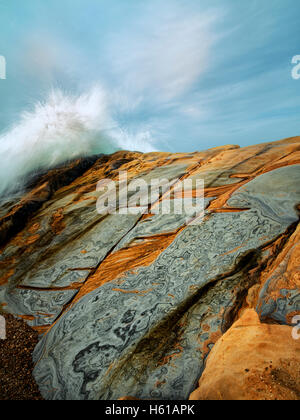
x: 179, y: 76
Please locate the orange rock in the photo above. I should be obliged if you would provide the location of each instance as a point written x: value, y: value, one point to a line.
x: 252, y: 361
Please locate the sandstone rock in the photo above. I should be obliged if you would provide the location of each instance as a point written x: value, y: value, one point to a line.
x: 279, y: 299
x: 252, y: 361
x: 133, y: 304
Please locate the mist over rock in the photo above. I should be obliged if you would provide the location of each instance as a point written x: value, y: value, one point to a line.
x: 134, y: 304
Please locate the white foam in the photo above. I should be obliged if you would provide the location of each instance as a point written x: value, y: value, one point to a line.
x: 62, y: 128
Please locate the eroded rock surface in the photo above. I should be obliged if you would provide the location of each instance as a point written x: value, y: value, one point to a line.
x: 252, y: 361
x: 133, y: 304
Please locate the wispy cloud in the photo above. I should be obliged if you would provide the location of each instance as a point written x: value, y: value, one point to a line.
x: 165, y: 52
x: 188, y: 74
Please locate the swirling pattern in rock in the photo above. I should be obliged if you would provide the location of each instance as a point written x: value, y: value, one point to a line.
x: 133, y: 304
x: 84, y: 354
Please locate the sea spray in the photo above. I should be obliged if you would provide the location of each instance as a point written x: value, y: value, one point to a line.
x: 145, y: 63
x: 60, y: 129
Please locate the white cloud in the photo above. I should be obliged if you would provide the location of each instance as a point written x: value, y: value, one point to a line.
x: 165, y: 54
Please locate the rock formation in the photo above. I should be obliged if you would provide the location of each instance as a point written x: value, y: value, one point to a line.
x: 253, y: 361
x: 133, y: 304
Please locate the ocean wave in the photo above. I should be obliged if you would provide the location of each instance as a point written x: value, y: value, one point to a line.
x: 60, y: 129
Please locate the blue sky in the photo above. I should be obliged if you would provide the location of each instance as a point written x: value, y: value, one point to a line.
x: 189, y: 74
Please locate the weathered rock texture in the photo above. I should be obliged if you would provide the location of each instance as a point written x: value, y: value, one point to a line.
x: 133, y: 304
x: 252, y: 361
